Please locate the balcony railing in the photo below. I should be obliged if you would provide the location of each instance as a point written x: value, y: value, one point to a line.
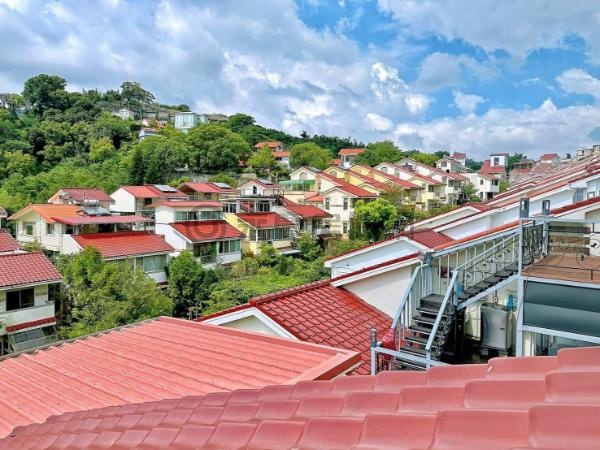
x: 148, y: 213
x: 207, y: 259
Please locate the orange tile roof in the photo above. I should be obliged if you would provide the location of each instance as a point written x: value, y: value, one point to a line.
x: 542, y: 402
x: 207, y: 230
x: 50, y: 212
x: 160, y: 359
x: 26, y: 268
x: 348, y: 187
x: 351, y: 151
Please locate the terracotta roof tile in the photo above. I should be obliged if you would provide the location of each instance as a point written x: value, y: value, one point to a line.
x: 127, y: 243
x: 487, y: 168
x: 392, y: 410
x: 305, y: 211
x: 150, y: 191
x: 348, y: 187
x: 49, y: 212
x: 207, y: 230
x: 26, y: 268
x: 206, y: 188
x: 7, y: 242
x: 265, y: 220
x: 187, y: 203
x: 351, y: 151
x: 79, y: 194
x: 165, y: 359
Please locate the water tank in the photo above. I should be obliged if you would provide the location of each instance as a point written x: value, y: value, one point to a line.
x: 496, y: 327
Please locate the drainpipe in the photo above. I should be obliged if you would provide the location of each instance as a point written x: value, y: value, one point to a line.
x: 373, y: 353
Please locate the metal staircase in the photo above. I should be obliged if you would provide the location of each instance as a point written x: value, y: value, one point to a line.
x: 427, y: 314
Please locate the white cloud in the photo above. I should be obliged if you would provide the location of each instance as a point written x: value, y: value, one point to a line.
x: 529, y: 131
x: 577, y: 81
x: 467, y: 103
x: 378, y: 123
x: 518, y: 26
x: 416, y: 103
x: 16, y: 5
x: 59, y: 11
x: 439, y: 70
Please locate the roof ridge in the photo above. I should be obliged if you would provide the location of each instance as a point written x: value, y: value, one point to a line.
x: 294, y: 290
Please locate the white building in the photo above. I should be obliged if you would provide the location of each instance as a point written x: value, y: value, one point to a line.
x: 124, y: 114
x: 199, y: 227
x: 27, y: 313
x: 261, y: 188
x: 185, y: 121
x: 137, y: 199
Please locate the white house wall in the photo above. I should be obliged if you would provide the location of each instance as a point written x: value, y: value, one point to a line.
x: 383, y: 291
x: 372, y: 256
x: 42, y: 308
x: 124, y: 201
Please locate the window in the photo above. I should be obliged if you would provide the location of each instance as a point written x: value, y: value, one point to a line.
x: 273, y: 234
x: 207, y: 196
x: 19, y: 299
x: 229, y: 247
x: 327, y: 203
x: 49, y: 228
x: 151, y: 264
x: 69, y: 229
x: 147, y: 201
x: 28, y: 228
x: 579, y: 195
x: 254, y: 190
x: 345, y: 203
x: 262, y: 207
x: 183, y: 216
x: 481, y: 182
x: 496, y: 161
x: 230, y: 208
x: 210, y: 215
x: 494, y: 182
x: 344, y: 227
x: 430, y: 188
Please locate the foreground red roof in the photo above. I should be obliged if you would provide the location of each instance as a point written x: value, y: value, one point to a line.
x: 207, y: 230
x: 7, y: 242
x: 323, y: 314
x: 26, y: 268
x: 127, y: 243
x: 265, y: 220
x: 545, y: 402
x: 165, y: 358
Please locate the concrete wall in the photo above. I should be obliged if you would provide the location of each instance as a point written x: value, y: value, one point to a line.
x: 124, y: 201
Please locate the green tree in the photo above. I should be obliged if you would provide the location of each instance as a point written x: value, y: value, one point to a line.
x: 309, y: 249
x: 103, y: 295
x: 237, y: 122
x: 224, y: 178
x: 102, y: 149
x: 514, y: 158
x: 377, y: 217
x: 164, y: 156
x: 309, y: 154
x: 186, y: 284
x: 43, y: 92
x: 16, y: 163
x: 216, y: 148
x: 425, y: 158
x: 337, y: 246
x: 503, y: 186
x: 470, y: 192
x: 113, y: 128
x: 137, y: 167
x: 135, y: 95
x: 263, y: 161
x: 379, y: 152
x: 12, y: 102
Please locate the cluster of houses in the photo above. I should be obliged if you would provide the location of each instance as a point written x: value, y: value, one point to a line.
x: 512, y: 275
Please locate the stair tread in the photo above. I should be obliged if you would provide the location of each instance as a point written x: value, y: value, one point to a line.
x: 419, y: 329
x: 428, y: 310
x: 420, y: 318
x: 417, y: 339
x: 435, y: 298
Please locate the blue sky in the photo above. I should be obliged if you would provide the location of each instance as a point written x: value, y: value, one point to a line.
x: 477, y: 76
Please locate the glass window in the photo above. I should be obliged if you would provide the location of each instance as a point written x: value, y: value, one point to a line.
x: 19, y: 299
x: 230, y: 208
x: 210, y: 215
x: 70, y: 229
x: 28, y: 228
x: 345, y: 203
x: 150, y: 264
x: 344, y: 227
x: 481, y: 182
x: 207, y: 196
x: 184, y: 216
x: 229, y: 247
x: 430, y: 188
x: 49, y: 228
x: 327, y: 202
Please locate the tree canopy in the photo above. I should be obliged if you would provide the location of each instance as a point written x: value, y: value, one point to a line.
x: 215, y: 148
x: 309, y: 154
x: 377, y: 217
x: 378, y: 152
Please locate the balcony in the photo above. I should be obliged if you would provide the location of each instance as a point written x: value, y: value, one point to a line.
x: 24, y: 315
x: 148, y: 213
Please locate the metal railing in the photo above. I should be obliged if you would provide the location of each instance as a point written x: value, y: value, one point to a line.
x: 443, y: 310
x: 408, y: 304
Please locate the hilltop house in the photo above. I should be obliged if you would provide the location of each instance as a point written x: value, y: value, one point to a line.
x: 27, y: 312
x: 203, y: 190
x: 185, y: 121
x: 307, y: 218
x: 274, y: 146
x: 348, y: 156
x: 460, y: 157
x: 261, y: 188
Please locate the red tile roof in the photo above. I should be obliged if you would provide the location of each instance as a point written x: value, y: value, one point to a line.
x: 187, y: 204
x: 49, y: 212
x: 306, y: 211
x: 126, y: 243
x: 323, y: 314
x: 79, y: 194
x: 206, y: 188
x: 348, y: 187
x: 488, y: 169
x: 160, y: 359
x: 268, y: 144
x: 207, y: 230
x: 86, y: 220
x: 457, y: 155
x: 351, y: 151
x: 394, y: 179
x: 150, y: 191
x: 265, y: 220
x: 543, y: 402
x: 26, y: 268
x: 548, y: 156
x: 7, y: 242
x: 280, y: 154
x: 313, y: 197
x: 260, y: 183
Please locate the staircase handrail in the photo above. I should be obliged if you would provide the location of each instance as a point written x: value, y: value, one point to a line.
x: 502, y: 243
x: 438, y: 319
x: 406, y: 295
